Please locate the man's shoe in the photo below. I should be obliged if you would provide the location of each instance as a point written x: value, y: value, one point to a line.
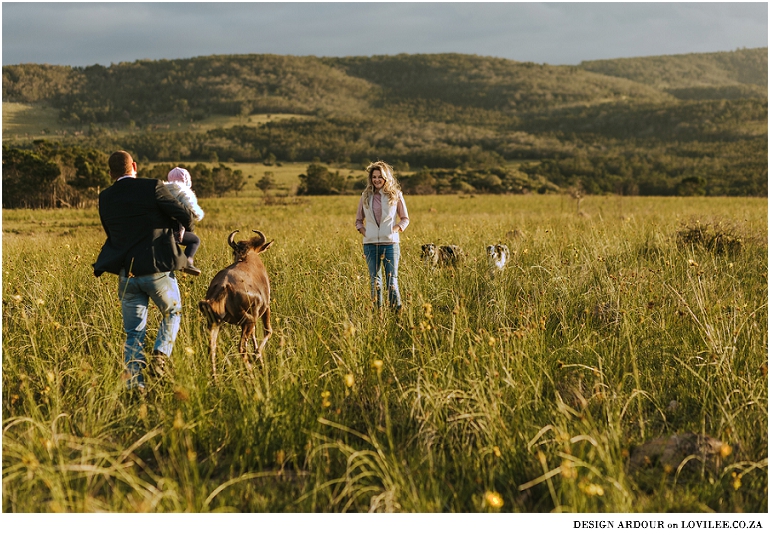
x: 135, y: 390
x: 191, y: 270
x: 158, y: 364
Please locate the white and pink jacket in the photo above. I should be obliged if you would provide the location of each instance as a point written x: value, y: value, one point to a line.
x: 377, y: 218
x: 180, y: 185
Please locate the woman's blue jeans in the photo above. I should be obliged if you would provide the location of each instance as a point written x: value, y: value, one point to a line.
x: 379, y: 258
x: 135, y: 294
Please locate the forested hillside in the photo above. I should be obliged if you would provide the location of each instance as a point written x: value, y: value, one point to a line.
x: 235, y: 85
x: 670, y: 125
x: 489, y: 83
x: 738, y: 74
x: 192, y: 88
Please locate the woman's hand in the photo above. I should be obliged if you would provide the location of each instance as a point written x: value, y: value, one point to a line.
x: 397, y: 229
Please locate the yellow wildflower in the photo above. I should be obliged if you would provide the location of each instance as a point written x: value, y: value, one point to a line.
x: 178, y: 420
x: 568, y: 470
x: 190, y: 351
x: 493, y: 499
x: 725, y: 450
x: 496, y: 451
x: 593, y: 490
x: 30, y: 460
x: 377, y: 364
x: 349, y: 380
x: 350, y: 330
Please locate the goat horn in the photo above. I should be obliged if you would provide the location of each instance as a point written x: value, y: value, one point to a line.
x: 230, y: 240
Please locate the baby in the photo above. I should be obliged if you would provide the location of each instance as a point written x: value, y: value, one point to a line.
x: 180, y: 184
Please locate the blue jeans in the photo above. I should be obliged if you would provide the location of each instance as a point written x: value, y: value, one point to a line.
x: 377, y: 258
x: 134, y: 294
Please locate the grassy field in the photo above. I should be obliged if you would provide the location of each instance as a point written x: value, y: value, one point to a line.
x: 526, y: 393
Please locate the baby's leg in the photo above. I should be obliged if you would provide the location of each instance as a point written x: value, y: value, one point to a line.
x: 191, y: 243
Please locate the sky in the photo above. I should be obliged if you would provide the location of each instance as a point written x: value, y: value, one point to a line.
x: 87, y: 33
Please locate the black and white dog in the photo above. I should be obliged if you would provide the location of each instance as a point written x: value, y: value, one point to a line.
x: 497, y: 257
x: 442, y: 255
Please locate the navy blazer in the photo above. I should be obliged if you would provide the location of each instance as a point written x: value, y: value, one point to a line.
x: 138, y: 215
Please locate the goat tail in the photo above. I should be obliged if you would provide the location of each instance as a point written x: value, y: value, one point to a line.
x: 208, y: 312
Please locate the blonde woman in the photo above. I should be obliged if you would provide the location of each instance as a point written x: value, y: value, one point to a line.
x: 381, y: 218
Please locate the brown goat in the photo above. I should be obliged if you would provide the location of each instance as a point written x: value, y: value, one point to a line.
x: 240, y: 295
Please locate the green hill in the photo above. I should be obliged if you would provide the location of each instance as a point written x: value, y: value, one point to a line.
x: 452, y: 88
x: 639, y: 125
x: 490, y: 83
x: 32, y: 82
x: 241, y: 85
x: 191, y: 88
x: 727, y: 75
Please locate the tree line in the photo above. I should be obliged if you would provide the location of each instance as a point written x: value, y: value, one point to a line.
x: 54, y: 176
x: 616, y: 149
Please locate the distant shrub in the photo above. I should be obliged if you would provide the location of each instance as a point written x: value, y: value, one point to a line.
x: 215, y: 181
x: 52, y: 176
x: 318, y: 180
x: 720, y: 237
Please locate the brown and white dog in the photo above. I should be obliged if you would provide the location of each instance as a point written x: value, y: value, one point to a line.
x: 442, y: 255
x: 497, y: 257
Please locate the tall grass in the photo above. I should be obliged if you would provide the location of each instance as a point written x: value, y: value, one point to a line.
x: 524, y: 393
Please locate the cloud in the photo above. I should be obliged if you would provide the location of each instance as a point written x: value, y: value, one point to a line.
x: 556, y: 33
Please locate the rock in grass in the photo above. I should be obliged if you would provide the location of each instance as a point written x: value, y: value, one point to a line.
x: 686, y: 454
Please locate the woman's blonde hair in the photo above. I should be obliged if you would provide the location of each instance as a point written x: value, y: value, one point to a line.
x: 391, y: 187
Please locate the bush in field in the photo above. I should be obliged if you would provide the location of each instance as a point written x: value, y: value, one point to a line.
x: 52, y: 176
x: 318, y: 180
x: 419, y: 183
x: 266, y: 183
x: 206, y: 181
x: 28, y: 179
x: 720, y: 237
